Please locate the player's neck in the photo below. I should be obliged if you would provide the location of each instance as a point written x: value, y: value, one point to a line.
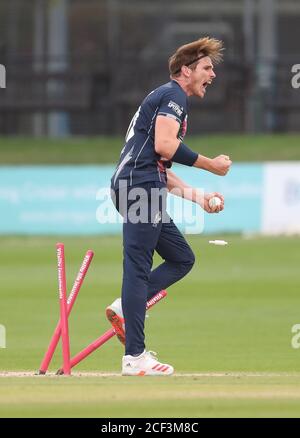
x: 182, y: 83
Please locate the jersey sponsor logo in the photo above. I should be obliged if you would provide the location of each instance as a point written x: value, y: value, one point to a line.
x: 175, y: 107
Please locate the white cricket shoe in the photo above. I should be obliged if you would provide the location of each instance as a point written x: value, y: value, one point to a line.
x: 145, y: 365
x: 114, y: 314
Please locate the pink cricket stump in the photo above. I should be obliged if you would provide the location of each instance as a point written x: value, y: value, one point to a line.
x: 71, y: 300
x: 60, y: 249
x: 108, y: 335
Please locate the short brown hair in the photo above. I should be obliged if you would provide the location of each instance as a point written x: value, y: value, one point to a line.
x: 188, y: 54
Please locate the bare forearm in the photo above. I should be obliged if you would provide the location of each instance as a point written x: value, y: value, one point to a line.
x: 204, y: 163
x: 180, y: 188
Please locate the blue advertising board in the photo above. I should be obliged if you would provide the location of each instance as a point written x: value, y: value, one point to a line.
x: 76, y: 200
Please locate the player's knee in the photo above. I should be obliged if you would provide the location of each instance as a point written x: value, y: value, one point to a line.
x: 188, y: 262
x: 191, y: 259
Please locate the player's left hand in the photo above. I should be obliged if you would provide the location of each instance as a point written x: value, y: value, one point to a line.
x: 215, y: 209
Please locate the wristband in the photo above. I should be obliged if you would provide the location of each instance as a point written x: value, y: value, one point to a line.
x: 184, y: 155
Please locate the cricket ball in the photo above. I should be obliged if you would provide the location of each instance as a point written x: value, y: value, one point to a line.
x: 214, y: 202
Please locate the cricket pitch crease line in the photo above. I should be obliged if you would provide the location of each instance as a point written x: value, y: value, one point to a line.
x: 7, y: 374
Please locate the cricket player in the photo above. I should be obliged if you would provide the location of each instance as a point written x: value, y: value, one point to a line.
x: 155, y: 140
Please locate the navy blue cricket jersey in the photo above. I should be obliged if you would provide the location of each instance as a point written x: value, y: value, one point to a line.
x: 139, y: 162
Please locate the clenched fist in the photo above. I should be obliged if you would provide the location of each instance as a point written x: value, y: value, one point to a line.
x: 220, y: 165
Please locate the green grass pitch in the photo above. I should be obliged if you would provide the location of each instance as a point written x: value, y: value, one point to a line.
x: 226, y: 328
x: 106, y: 150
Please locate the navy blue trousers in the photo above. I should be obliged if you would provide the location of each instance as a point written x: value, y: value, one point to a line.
x: 140, y: 282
